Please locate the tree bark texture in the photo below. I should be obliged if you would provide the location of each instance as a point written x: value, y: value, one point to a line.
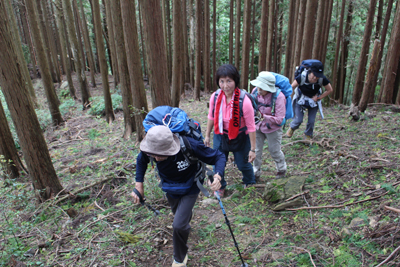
x: 192, y: 42
x: 63, y: 44
x: 108, y: 109
x: 327, y: 26
x: 293, y: 37
x: 289, y: 40
x: 80, y: 70
x: 27, y: 126
x: 389, y: 75
x: 271, y: 34
x: 168, y: 39
x: 198, y: 52
x: 373, y: 68
x: 177, y: 62
x: 237, y: 33
x: 186, y: 65
x: 135, y: 71
x: 309, y: 26
x: 206, y: 48
x: 24, y: 19
x: 9, y: 159
x: 253, y: 38
x: 316, y: 50
x: 362, y: 63
x: 158, y: 69
x: 246, y: 45
x: 262, y: 58
x: 78, y: 30
x: 299, y: 31
x: 214, y: 58
x: 111, y: 41
x: 88, y: 46
x: 231, y: 22
x: 125, y: 83
x: 43, y: 63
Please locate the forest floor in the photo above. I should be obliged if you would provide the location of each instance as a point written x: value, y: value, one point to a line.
x: 350, y: 167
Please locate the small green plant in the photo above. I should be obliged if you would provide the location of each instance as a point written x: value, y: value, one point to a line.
x: 98, y: 107
x: 93, y: 133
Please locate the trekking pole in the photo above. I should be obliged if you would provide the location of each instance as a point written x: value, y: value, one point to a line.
x: 142, y: 201
x: 210, y: 175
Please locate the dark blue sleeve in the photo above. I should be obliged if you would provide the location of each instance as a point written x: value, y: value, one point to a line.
x: 325, y: 81
x: 142, y: 161
x: 208, y: 155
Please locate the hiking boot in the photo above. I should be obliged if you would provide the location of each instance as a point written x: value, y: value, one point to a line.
x: 220, y: 192
x: 309, y: 138
x: 183, y: 264
x: 289, y: 132
x: 281, y: 174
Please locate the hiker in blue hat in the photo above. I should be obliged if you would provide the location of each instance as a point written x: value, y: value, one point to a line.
x: 177, y: 179
x: 308, y: 94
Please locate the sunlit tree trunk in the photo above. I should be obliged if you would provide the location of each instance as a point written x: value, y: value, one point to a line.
x: 80, y: 71
x: 33, y: 144
x: 157, y: 56
x: 108, y: 109
x: 63, y: 44
x: 43, y: 63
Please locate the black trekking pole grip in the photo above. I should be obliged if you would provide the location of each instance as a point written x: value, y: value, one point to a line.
x: 210, y: 175
x: 142, y: 201
x: 139, y: 196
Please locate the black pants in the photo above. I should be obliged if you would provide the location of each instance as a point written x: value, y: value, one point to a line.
x: 182, y: 209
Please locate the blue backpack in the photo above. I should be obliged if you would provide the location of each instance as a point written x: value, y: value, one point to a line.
x: 180, y: 124
x: 304, y: 67
x: 285, y: 87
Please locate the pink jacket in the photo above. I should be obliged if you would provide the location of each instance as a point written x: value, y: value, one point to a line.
x: 273, y: 121
x: 246, y: 120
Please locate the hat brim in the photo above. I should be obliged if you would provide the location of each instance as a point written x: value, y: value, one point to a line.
x: 318, y: 74
x: 171, y: 151
x: 263, y: 86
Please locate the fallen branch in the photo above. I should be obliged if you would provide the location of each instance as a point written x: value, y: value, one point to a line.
x: 308, y: 254
x: 392, y: 209
x: 337, y: 206
x: 299, y: 194
x: 388, y: 258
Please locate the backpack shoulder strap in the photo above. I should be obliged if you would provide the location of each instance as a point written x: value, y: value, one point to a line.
x: 303, y: 77
x: 187, y: 149
x: 215, y: 98
x: 241, y: 99
x: 273, y: 100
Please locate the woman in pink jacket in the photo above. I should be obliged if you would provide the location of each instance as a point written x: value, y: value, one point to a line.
x: 269, y: 127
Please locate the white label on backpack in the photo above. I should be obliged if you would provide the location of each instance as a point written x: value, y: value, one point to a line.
x: 182, y: 165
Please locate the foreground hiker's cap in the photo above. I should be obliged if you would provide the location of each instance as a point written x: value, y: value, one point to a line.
x: 159, y: 140
x: 265, y: 81
x: 318, y: 70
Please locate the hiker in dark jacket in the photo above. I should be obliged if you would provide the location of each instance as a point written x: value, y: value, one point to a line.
x: 306, y: 88
x: 162, y: 145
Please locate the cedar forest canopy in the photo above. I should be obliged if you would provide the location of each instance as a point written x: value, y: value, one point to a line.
x: 112, y: 52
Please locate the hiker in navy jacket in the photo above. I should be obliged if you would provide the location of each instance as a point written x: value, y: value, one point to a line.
x: 162, y: 145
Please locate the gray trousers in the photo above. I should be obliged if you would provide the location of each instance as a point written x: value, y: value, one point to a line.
x: 274, y: 147
x: 298, y: 118
x: 182, y: 209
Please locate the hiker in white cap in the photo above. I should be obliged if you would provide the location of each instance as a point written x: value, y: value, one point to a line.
x: 177, y: 179
x: 269, y: 128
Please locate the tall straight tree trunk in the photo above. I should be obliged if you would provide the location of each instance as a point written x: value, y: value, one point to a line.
x: 192, y: 41
x: 63, y: 44
x: 169, y: 39
x: 253, y: 38
x: 56, y: 35
x: 231, y: 22
x: 278, y: 43
x: 177, y: 54
x: 327, y: 24
x: 289, y: 40
x: 237, y: 33
x: 135, y: 71
x: 158, y: 69
x: 43, y: 33
x: 51, y: 39
x: 362, y: 63
x: 214, y: 58
x: 262, y: 58
x: 26, y: 75
x: 142, y: 43
x: 309, y: 24
x: 316, y: 51
x: 373, y: 68
x: 88, y: 46
x: 293, y: 38
x: 271, y: 34
x: 27, y: 31
x: 299, y: 31
x: 33, y: 144
x: 339, y: 39
x: 206, y: 47
x: 10, y: 160
x: 43, y: 63
x: 80, y: 71
x: 392, y: 62
x: 111, y: 40
x: 125, y: 83
x: 198, y: 51
x: 108, y: 109
x: 186, y: 65
x: 246, y: 45
x: 383, y: 41
x: 78, y: 30
x: 345, y: 53
x: 379, y: 20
